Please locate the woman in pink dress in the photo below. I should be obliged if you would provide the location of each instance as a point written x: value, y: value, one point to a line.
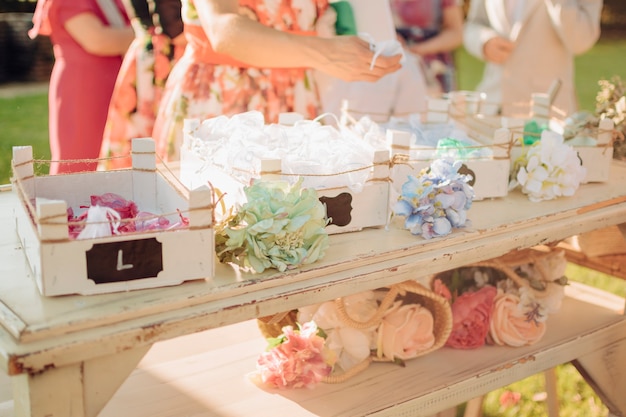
x: 256, y: 55
x: 432, y: 29
x: 159, y: 43
x: 88, y: 43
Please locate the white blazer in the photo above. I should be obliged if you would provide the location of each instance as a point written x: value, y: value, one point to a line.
x: 547, y: 38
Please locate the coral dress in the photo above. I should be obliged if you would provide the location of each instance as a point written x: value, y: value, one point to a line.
x: 141, y: 80
x: 81, y: 85
x: 200, y: 88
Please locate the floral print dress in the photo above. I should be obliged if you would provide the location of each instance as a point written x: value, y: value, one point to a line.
x: 204, y: 84
x: 141, y: 80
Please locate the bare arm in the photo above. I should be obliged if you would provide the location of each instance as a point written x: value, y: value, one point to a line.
x: 97, y: 38
x: 450, y: 37
x: 345, y: 57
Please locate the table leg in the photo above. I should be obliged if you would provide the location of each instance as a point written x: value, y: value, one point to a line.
x: 605, y: 371
x: 78, y: 390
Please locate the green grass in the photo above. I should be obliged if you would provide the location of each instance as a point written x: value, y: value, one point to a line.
x: 24, y: 121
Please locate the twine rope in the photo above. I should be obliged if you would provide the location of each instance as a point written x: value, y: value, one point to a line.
x: 60, y: 219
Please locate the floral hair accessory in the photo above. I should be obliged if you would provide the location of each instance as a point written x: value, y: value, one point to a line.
x: 280, y: 226
x: 548, y: 169
x: 295, y: 359
x: 436, y: 200
x: 392, y: 324
x: 504, y: 301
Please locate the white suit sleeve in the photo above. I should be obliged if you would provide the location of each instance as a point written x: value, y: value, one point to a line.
x: 577, y: 22
x: 477, y: 29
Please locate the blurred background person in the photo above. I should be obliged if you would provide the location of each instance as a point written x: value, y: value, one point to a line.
x: 256, y: 55
x: 396, y: 95
x: 159, y: 43
x: 528, y: 45
x: 432, y: 30
x: 89, y: 38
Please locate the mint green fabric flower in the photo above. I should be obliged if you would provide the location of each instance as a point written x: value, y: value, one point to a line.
x: 280, y: 226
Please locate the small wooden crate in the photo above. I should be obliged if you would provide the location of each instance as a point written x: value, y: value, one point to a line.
x: 490, y: 175
x: 347, y: 210
x: 61, y: 265
x: 596, y: 159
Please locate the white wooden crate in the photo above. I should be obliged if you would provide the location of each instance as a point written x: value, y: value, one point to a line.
x: 61, y: 265
x: 348, y: 211
x: 595, y: 158
x: 490, y: 175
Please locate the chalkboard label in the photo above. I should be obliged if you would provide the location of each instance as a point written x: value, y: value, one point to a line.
x: 338, y: 209
x: 464, y: 170
x: 124, y: 261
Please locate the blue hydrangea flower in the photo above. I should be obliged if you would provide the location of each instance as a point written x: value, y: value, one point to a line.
x: 436, y: 200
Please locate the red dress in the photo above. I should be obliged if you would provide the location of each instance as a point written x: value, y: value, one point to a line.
x: 81, y: 85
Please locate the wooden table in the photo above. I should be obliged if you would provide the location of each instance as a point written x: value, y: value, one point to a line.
x: 68, y: 355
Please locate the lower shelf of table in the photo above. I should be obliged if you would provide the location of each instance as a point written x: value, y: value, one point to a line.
x: 205, y: 374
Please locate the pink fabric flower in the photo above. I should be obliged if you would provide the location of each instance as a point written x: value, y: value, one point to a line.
x: 509, y: 326
x: 405, y: 332
x: 510, y: 398
x: 471, y: 314
x: 300, y: 361
x: 440, y: 288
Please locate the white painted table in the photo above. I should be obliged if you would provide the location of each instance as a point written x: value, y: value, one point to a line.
x: 67, y: 355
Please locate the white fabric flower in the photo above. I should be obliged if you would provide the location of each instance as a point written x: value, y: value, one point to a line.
x: 351, y: 346
x: 549, y: 169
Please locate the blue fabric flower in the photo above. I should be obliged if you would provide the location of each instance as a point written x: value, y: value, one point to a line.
x: 436, y: 200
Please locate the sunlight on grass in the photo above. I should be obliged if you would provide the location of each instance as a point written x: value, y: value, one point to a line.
x: 576, y: 398
x: 24, y: 123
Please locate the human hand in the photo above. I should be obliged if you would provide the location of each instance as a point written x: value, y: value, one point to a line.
x: 349, y: 58
x: 498, y: 49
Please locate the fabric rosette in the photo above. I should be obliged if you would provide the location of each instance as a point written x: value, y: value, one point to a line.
x: 504, y: 301
x: 392, y: 324
x: 436, y: 200
x: 295, y: 359
x: 280, y: 226
x: 548, y: 169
